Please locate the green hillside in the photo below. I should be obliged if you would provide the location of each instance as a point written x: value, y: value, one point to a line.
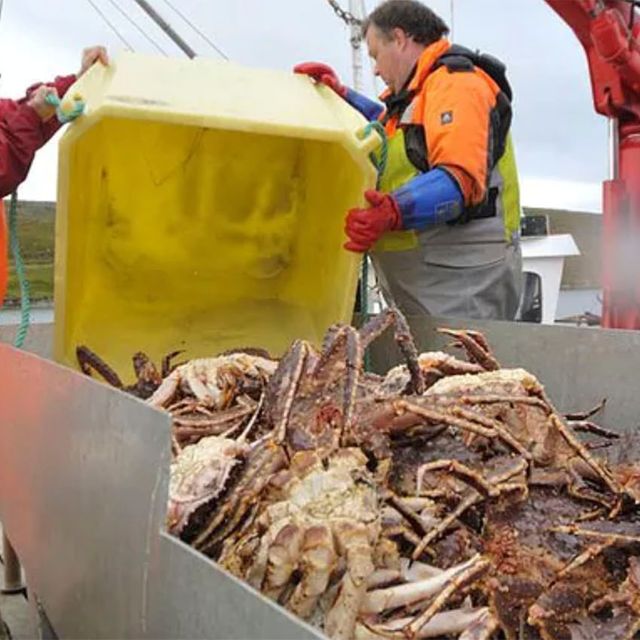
x: 36, y: 229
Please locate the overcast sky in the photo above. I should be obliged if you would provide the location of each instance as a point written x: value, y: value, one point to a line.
x: 561, y: 144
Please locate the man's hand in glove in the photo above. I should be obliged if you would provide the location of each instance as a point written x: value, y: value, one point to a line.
x: 365, y: 226
x: 323, y: 74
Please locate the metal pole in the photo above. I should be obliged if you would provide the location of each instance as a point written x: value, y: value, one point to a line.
x: 614, y: 149
x: 451, y: 26
x: 356, y: 46
x: 355, y: 7
x: 166, y: 27
x: 12, y: 569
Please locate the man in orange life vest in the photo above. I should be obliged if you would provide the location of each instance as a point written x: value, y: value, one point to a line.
x: 443, y: 230
x: 25, y: 126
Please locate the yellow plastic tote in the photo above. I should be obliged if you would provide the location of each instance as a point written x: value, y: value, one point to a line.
x: 201, y: 207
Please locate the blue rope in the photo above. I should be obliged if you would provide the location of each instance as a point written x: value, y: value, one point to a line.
x: 25, y: 299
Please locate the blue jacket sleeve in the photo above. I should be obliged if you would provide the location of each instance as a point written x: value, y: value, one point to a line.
x: 429, y: 199
x: 370, y: 109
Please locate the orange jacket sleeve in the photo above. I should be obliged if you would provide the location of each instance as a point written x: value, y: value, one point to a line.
x: 457, y: 118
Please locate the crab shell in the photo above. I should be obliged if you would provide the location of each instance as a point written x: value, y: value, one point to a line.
x: 198, y: 476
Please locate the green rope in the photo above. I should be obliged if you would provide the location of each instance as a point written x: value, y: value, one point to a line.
x: 380, y: 163
x: 66, y: 116
x: 25, y: 300
x: 14, y: 242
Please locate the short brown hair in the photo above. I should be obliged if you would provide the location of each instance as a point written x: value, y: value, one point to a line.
x: 414, y: 18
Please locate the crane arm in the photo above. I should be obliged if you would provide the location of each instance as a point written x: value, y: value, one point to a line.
x: 610, y: 35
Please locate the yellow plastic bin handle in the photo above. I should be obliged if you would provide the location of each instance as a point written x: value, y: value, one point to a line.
x: 368, y: 139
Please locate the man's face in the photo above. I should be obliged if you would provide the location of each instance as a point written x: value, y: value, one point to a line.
x: 389, y: 53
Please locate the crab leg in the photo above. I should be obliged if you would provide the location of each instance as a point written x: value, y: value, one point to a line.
x: 465, y: 473
x: 401, y: 530
x: 353, y: 542
x: 216, y: 419
x: 297, y: 356
x: 481, y: 629
x: 495, y: 399
x: 609, y: 538
x: 438, y: 417
x: 442, y: 624
x: 282, y: 560
x: 588, y: 554
x: 468, y: 421
x: 402, y: 333
x: 334, y: 339
x: 383, y: 578
x: 317, y: 562
x: 408, y: 572
x: 585, y: 415
x: 166, y: 392
x: 188, y: 432
x: 183, y: 406
x: 585, y: 426
x: 175, y: 445
x: 413, y: 570
x: 477, y: 567
x: 476, y: 347
x: 354, y: 368
x: 381, y: 600
x: 500, y: 481
x: 167, y: 367
x: 496, y: 426
x: 90, y: 361
x: 210, y: 421
x: 254, y: 418
x: 417, y: 503
x: 436, y: 532
x: 413, y: 518
x: 583, y: 452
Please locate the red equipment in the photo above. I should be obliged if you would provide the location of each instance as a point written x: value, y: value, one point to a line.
x: 609, y: 31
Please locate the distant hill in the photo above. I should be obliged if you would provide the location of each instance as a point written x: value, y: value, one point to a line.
x: 36, y: 229
x: 36, y: 232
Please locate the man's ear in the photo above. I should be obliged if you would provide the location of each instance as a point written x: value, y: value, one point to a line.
x: 400, y: 37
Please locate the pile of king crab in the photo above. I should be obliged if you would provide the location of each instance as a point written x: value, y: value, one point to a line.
x: 447, y: 499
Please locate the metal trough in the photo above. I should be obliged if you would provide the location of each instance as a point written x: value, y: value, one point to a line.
x: 84, y: 474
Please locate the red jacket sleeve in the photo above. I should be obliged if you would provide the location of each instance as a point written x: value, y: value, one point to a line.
x: 22, y: 133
